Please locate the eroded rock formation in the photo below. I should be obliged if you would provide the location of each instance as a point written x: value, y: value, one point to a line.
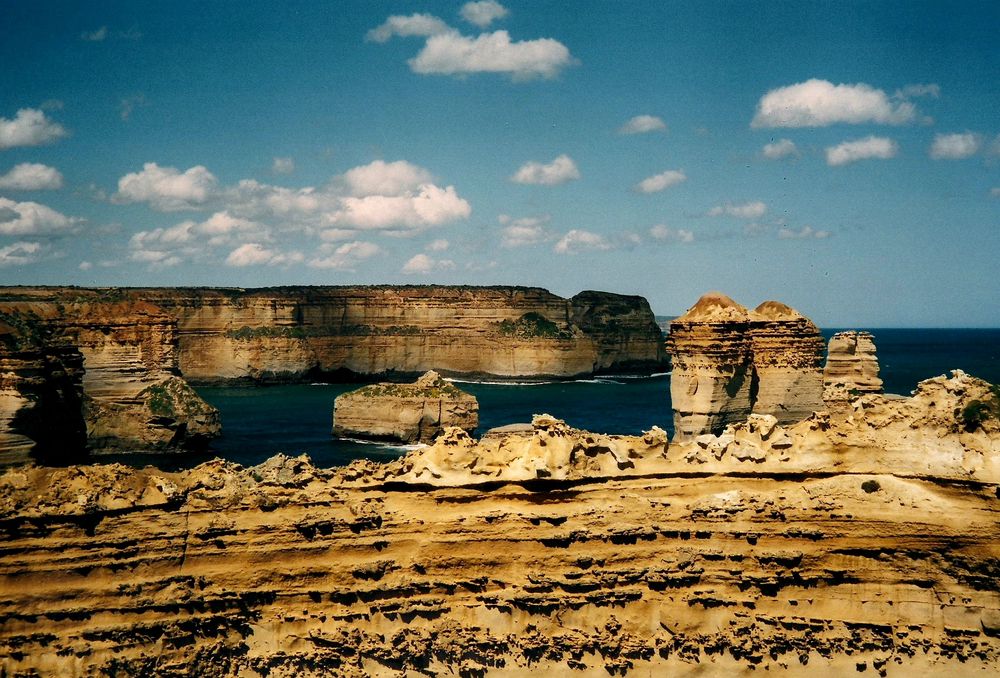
x: 292, y: 333
x: 408, y: 413
x: 863, y: 541
x: 851, y: 368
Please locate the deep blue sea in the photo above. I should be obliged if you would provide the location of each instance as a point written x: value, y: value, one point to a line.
x: 261, y: 421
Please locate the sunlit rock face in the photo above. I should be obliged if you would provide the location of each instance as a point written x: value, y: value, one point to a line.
x: 712, y: 366
x: 787, y: 358
x: 851, y: 368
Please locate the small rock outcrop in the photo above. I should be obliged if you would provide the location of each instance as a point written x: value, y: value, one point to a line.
x: 787, y: 358
x: 851, y: 368
x: 712, y: 366
x: 407, y: 413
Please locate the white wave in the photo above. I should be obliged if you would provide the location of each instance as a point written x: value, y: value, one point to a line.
x: 384, y: 444
x: 500, y: 383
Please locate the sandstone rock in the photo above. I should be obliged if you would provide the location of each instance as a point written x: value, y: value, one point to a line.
x: 409, y: 413
x: 712, y: 366
x: 851, y: 368
x: 787, y: 357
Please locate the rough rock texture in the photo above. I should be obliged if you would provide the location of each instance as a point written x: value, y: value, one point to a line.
x: 409, y: 413
x: 291, y: 333
x: 864, y: 541
x: 712, y: 367
x: 133, y: 396
x: 788, y: 363
x: 851, y: 368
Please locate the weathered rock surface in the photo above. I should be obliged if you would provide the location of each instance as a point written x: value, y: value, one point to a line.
x: 408, y: 413
x: 788, y: 363
x: 132, y: 395
x: 862, y: 541
x: 712, y: 363
x: 851, y: 368
x: 291, y: 333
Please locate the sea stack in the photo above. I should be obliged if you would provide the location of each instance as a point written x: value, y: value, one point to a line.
x: 712, y: 366
x: 788, y: 363
x: 407, y: 413
x: 851, y: 368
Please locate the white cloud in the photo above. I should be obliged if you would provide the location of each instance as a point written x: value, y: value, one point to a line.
x: 85, y: 266
x: 345, y: 256
x: 255, y: 254
x: 804, y: 232
x: 524, y: 231
x: 664, y: 232
x: 20, y: 253
x: 386, y: 178
x: 782, y: 148
x: 642, y: 124
x: 955, y: 146
x: 819, y: 103
x: 423, y: 264
x: 483, y: 12
x: 661, y: 181
x: 578, y: 240
x: 559, y: 171
x: 31, y: 176
x: 455, y: 54
x: 881, y: 148
x: 95, y: 36
x: 283, y: 166
x: 747, y: 210
x: 415, y: 25
x: 32, y: 218
x: 30, y: 127
x: 190, y: 240
x: 411, y: 212
x: 439, y: 245
x: 167, y: 188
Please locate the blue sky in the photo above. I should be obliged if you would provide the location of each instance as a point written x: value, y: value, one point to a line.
x: 841, y: 157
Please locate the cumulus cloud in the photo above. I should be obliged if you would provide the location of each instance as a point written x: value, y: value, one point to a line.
x: 415, y: 25
x: 559, y: 171
x: 747, y: 210
x: 665, y: 233
x: 641, y: 124
x: 191, y: 240
x: 345, y: 256
x: 483, y: 12
x: 167, y: 188
x: 20, y: 253
x: 30, y: 127
x: 524, y: 231
x: 439, y: 245
x: 32, y: 218
x: 255, y: 254
x: 804, y: 232
x: 96, y: 35
x: 456, y: 54
x: 819, y: 103
x: 782, y: 148
x: 423, y: 264
x: 31, y: 176
x: 410, y: 212
x: 386, y: 178
x: 955, y: 146
x: 661, y: 181
x: 880, y: 148
x: 282, y: 166
x: 578, y: 241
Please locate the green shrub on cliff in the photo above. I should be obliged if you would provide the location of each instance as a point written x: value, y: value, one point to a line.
x: 532, y: 325
x: 977, y: 411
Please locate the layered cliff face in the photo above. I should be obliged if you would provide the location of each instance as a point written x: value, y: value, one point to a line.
x: 408, y: 413
x: 289, y: 333
x: 712, y: 363
x: 787, y: 357
x: 851, y: 368
x: 861, y: 542
x: 132, y: 395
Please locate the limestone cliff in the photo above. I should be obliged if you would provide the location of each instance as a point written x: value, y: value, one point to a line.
x: 851, y: 368
x: 408, y: 413
x: 863, y: 541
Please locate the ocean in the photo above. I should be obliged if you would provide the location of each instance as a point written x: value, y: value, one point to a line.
x: 259, y: 422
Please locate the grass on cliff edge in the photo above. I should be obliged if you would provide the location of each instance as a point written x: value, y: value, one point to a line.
x: 976, y: 412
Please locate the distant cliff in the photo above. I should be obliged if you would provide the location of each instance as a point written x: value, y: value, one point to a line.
x: 293, y: 333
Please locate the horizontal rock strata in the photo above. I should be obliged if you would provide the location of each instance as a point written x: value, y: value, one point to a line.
x: 407, y: 413
x: 851, y: 368
x: 859, y: 542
